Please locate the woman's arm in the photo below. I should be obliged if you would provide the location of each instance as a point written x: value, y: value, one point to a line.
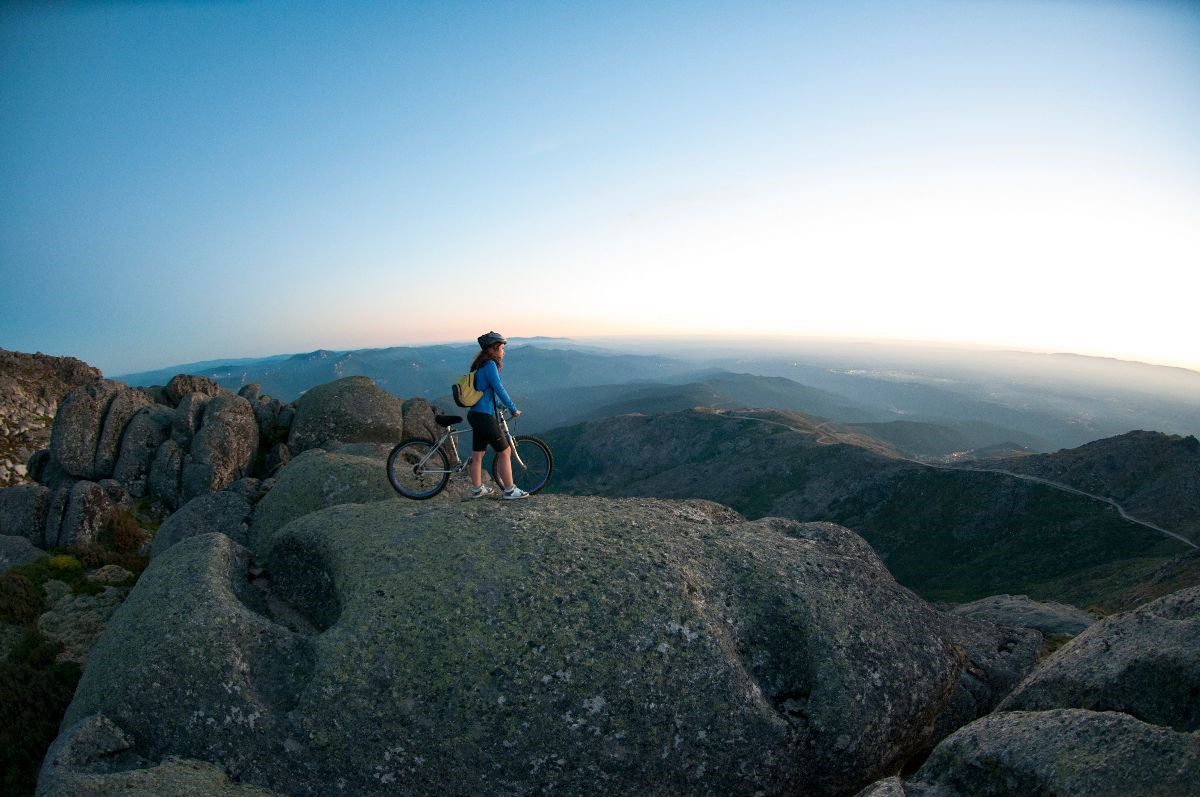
x: 492, y: 374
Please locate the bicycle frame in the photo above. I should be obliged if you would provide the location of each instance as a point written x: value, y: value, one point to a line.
x: 449, y: 436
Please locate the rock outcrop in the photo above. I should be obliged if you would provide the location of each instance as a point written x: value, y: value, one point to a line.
x: 572, y: 645
x: 31, y: 387
x: 1113, y: 712
x: 183, y: 385
x: 350, y: 410
x: 79, y: 425
x: 146, y: 431
x: 83, y: 507
x: 171, y: 444
x: 77, y: 621
x: 223, y: 448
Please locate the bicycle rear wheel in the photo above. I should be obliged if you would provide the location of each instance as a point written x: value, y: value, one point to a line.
x: 534, y: 474
x: 413, y: 478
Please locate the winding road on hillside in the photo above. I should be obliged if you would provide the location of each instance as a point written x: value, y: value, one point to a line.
x: 826, y: 440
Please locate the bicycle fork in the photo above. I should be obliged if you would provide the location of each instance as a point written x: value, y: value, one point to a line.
x: 512, y: 441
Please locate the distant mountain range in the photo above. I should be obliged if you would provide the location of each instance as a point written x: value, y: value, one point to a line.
x: 947, y: 534
x: 932, y: 405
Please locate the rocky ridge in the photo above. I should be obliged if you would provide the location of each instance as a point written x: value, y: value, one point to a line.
x: 114, y: 447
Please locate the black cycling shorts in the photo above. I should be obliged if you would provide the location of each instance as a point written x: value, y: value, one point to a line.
x: 485, y: 431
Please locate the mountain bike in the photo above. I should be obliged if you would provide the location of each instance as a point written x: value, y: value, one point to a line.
x: 420, y: 468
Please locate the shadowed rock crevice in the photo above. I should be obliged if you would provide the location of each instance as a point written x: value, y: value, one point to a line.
x: 297, y: 590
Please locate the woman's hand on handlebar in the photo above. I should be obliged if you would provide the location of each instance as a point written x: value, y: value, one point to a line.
x: 516, y: 414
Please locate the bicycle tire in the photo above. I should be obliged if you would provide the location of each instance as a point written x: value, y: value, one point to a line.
x: 539, y: 464
x: 410, y: 482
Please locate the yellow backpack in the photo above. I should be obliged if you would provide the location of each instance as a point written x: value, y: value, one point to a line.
x: 464, y: 392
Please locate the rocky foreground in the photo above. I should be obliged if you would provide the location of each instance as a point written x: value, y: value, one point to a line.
x: 573, y: 645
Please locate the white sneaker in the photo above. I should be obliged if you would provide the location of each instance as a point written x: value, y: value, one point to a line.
x: 480, y: 491
x: 513, y: 494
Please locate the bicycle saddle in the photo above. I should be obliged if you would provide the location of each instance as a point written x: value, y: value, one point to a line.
x: 447, y: 420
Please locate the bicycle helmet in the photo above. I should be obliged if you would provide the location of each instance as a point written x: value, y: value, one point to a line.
x: 491, y: 339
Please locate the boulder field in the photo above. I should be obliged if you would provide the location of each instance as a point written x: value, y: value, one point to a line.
x: 115, y: 446
x: 564, y: 644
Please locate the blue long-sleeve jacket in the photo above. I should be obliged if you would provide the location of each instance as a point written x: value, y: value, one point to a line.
x: 487, y: 379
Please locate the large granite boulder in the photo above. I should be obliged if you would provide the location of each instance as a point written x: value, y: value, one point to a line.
x: 127, y: 403
x: 317, y: 479
x: 78, y: 427
x: 146, y: 431
x: 1050, y: 618
x: 566, y: 645
x: 186, y: 420
x: 23, y: 511
x: 165, y: 474
x: 1145, y: 662
x: 83, y: 508
x: 351, y: 410
x: 226, y: 512
x: 1061, y: 752
x: 182, y: 385
x: 223, y: 449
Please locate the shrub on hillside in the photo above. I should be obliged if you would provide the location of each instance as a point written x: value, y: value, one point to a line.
x: 60, y: 567
x: 34, y: 694
x: 20, y: 599
x: 65, y: 563
x: 120, y: 532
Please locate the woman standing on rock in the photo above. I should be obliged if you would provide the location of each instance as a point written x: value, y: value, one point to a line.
x: 485, y: 428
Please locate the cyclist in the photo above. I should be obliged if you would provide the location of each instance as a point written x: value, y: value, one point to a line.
x: 485, y: 428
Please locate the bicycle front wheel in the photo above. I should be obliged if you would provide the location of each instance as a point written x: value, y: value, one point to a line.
x: 418, y: 470
x: 532, y: 463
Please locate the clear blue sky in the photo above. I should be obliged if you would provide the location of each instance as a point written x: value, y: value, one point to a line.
x: 199, y: 180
